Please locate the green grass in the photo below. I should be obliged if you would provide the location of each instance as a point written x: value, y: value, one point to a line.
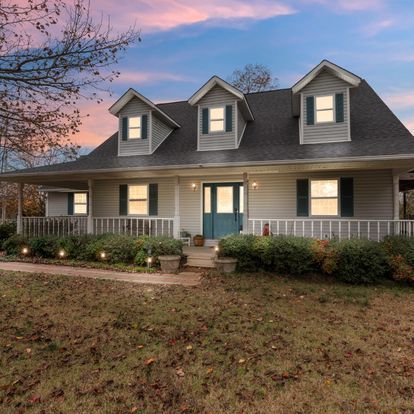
x: 237, y: 344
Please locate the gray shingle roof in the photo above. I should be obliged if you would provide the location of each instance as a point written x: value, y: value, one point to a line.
x: 272, y: 136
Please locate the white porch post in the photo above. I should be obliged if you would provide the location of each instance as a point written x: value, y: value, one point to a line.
x: 245, y: 203
x: 177, y: 220
x: 396, y: 201
x: 90, y: 208
x: 19, y: 227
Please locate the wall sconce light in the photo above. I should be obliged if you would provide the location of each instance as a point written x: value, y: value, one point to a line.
x: 254, y: 185
x: 194, y: 186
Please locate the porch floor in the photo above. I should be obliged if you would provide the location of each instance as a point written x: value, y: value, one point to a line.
x: 200, y: 256
x: 182, y: 278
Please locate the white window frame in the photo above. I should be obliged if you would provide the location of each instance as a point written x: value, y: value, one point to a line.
x: 223, y: 107
x: 332, y: 95
x: 138, y: 199
x: 80, y: 204
x: 137, y: 128
x: 324, y: 198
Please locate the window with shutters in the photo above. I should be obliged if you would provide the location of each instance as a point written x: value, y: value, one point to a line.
x: 216, y: 116
x: 324, y: 197
x: 324, y: 109
x: 138, y: 199
x: 134, y: 127
x: 80, y: 203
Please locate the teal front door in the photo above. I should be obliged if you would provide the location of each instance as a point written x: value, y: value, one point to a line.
x: 222, y: 209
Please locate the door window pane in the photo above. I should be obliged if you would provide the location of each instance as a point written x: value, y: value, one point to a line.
x: 207, y: 199
x: 224, y: 199
x: 241, y: 206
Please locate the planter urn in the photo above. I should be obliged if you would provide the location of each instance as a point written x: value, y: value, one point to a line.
x: 226, y: 264
x: 170, y: 264
x: 198, y: 240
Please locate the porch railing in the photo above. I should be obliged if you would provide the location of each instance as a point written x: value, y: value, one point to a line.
x: 333, y: 229
x: 134, y: 226
x: 54, y: 226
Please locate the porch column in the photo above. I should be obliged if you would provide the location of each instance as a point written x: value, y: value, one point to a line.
x: 89, y: 228
x: 245, y: 203
x: 396, y: 196
x: 19, y: 227
x: 177, y: 224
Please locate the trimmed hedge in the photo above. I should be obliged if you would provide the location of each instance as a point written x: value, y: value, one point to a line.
x: 351, y: 261
x: 117, y: 248
x: 7, y: 230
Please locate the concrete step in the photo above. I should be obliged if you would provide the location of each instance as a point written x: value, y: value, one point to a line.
x: 200, y: 261
x: 200, y: 256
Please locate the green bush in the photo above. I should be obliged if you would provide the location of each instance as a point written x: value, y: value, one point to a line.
x: 290, y: 255
x: 7, y: 230
x: 13, y: 245
x: 400, y: 256
x: 46, y: 247
x: 77, y: 247
x: 156, y: 246
x: 359, y: 261
x: 241, y: 247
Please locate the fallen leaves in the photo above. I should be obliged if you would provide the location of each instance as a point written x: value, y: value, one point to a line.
x: 149, y: 361
x: 179, y: 372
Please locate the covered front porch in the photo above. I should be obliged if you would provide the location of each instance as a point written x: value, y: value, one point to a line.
x: 262, y: 200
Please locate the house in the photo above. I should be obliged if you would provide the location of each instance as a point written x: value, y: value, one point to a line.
x: 325, y: 158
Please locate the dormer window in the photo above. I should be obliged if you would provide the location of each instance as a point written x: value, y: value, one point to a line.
x: 134, y: 127
x: 324, y: 109
x: 216, y: 119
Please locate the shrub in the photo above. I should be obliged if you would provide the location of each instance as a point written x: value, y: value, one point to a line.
x: 241, y: 247
x: 159, y: 246
x: 46, y: 247
x: 400, y: 254
x: 14, y: 244
x: 290, y: 255
x: 6, y: 231
x: 76, y: 247
x: 359, y: 261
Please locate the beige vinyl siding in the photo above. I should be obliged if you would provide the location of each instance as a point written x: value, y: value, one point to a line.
x: 57, y: 204
x: 135, y: 107
x: 160, y: 131
x: 217, y: 96
x: 241, y: 123
x: 106, y: 196
x: 325, y: 84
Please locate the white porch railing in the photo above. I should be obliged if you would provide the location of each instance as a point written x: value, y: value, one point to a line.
x: 54, y: 226
x: 134, y: 226
x: 333, y: 229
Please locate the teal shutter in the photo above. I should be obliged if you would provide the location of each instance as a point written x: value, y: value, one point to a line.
x: 339, y: 107
x: 302, y: 198
x: 204, y: 121
x: 123, y: 200
x: 70, y: 204
x: 144, y: 126
x: 153, y: 199
x: 310, y: 110
x: 125, y: 128
x: 229, y: 118
x: 347, y: 196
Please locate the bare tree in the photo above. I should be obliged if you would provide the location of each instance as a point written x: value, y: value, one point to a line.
x: 52, y: 55
x: 253, y: 78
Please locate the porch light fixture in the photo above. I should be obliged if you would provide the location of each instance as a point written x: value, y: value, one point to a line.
x: 25, y: 250
x: 254, y: 185
x: 194, y: 186
x: 62, y: 253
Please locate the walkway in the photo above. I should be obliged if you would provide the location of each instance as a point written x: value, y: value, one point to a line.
x: 183, y: 278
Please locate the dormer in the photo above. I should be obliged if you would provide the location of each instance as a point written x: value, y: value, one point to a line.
x: 321, y: 99
x: 142, y: 125
x: 223, y: 113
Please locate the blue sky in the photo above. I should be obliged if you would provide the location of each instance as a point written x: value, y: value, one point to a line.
x: 186, y: 42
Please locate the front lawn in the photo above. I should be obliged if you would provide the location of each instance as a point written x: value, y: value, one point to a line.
x: 237, y: 344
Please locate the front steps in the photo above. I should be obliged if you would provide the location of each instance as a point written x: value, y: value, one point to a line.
x: 200, y: 256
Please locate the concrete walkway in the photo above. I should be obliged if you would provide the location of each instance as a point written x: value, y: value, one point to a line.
x: 183, y: 278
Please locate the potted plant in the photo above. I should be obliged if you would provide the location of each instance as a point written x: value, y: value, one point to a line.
x: 226, y: 264
x: 198, y: 240
x: 170, y: 263
x: 169, y: 252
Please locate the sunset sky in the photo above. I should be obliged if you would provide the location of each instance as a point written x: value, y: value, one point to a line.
x: 185, y: 42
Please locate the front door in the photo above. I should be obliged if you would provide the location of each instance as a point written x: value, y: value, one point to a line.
x: 222, y: 209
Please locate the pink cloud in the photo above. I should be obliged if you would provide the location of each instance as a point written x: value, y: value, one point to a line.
x: 349, y: 5
x: 372, y: 29
x: 409, y: 123
x: 160, y: 15
x: 400, y: 100
x: 140, y: 77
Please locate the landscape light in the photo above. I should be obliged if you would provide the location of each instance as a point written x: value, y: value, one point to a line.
x: 103, y: 255
x: 25, y: 250
x: 216, y: 249
x: 62, y: 253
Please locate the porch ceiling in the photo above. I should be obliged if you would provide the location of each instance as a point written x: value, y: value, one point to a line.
x: 78, y: 180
